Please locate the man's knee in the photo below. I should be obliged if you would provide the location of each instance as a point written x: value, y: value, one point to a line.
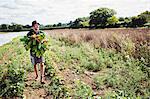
x: 42, y: 64
x: 35, y: 65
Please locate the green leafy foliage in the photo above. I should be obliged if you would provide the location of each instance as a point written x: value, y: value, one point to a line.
x: 13, y: 69
x: 37, y: 45
x: 99, y: 17
x: 50, y: 71
x: 57, y: 88
x: 83, y: 91
x: 12, y: 83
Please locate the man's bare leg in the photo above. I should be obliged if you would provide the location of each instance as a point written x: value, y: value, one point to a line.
x: 35, y: 70
x: 42, y: 72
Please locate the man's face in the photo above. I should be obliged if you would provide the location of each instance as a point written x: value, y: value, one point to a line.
x: 36, y: 26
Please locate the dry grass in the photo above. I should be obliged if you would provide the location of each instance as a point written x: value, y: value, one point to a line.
x: 106, y: 38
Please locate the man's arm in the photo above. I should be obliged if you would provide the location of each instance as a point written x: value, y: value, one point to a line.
x: 29, y: 34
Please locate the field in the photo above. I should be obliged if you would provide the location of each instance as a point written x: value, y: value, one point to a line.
x: 81, y: 64
x: 101, y: 36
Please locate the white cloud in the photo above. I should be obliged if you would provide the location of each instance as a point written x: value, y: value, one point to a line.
x: 53, y: 11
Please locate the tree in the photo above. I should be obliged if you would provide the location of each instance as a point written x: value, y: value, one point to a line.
x: 85, y: 21
x: 80, y: 23
x: 18, y: 27
x: 99, y: 17
x: 59, y: 24
x: 27, y: 26
x: 112, y: 21
x: 127, y: 22
x: 145, y: 15
x: 4, y: 26
x: 138, y: 21
x: 70, y: 23
x: 54, y: 25
x: 77, y: 23
x: 121, y: 19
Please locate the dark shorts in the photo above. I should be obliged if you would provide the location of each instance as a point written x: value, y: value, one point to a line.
x: 35, y: 59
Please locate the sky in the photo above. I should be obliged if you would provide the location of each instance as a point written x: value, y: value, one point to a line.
x: 54, y: 11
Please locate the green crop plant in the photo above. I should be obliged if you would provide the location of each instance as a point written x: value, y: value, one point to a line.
x: 37, y: 45
x: 58, y: 89
x: 12, y: 83
x: 83, y: 91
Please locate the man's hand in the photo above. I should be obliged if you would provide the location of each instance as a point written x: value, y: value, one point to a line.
x: 37, y: 40
x: 45, y: 40
x: 34, y: 36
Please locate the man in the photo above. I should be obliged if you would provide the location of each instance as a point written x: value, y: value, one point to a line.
x: 34, y: 59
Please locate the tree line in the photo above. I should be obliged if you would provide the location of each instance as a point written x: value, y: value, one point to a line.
x: 99, y: 18
x: 13, y: 27
x: 105, y: 18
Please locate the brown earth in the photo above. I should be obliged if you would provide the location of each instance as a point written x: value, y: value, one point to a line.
x: 36, y: 91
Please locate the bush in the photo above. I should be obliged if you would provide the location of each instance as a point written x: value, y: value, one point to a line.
x: 83, y: 91
x: 12, y: 83
x: 57, y: 88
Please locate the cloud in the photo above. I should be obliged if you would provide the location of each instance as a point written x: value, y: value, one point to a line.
x: 54, y: 11
x: 10, y: 7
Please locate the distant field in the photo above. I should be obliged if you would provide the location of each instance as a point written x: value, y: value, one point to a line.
x: 99, y: 31
x: 136, y: 34
x: 102, y: 37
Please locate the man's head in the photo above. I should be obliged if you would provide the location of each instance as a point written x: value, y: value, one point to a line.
x: 35, y: 25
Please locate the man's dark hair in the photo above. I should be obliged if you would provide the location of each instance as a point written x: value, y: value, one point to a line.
x: 35, y: 22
